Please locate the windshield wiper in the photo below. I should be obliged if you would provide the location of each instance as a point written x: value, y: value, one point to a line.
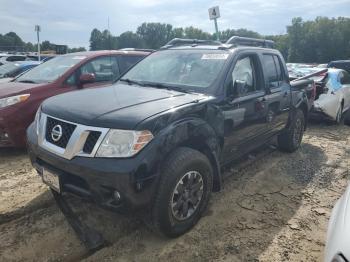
x: 131, y: 82
x: 165, y: 86
x: 27, y: 81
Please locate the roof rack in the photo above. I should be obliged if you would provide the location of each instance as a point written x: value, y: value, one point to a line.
x: 137, y: 49
x: 245, y: 41
x: 182, y: 41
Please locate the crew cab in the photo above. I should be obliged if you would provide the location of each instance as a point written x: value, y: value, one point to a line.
x: 156, y: 140
x: 20, y: 98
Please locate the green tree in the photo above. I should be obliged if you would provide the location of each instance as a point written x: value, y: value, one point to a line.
x: 129, y: 40
x: 76, y: 49
x: 195, y: 33
x: 96, y: 40
x: 47, y: 46
x: 154, y: 35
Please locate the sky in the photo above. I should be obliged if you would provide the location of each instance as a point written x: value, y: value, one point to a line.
x: 71, y: 21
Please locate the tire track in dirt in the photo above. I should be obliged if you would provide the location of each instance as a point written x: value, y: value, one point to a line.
x: 274, y: 207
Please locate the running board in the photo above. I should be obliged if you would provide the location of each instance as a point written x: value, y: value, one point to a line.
x: 92, y: 239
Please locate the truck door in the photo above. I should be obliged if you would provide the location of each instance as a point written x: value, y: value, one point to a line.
x: 278, y: 98
x: 244, y: 110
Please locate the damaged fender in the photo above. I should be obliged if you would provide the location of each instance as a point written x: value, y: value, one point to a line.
x: 328, y: 104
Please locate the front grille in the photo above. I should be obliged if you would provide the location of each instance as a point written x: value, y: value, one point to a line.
x: 91, y: 141
x: 67, y: 131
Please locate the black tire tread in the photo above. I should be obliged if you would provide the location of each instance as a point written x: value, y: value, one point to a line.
x: 285, y: 139
x: 175, y: 160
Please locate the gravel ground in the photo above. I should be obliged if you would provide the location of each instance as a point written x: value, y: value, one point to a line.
x: 273, y: 207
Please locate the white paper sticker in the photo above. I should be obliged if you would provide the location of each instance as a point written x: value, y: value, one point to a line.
x: 79, y: 57
x: 215, y: 56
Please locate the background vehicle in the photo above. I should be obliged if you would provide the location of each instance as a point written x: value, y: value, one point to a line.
x: 338, y: 236
x: 20, y: 99
x: 158, y: 137
x: 341, y: 64
x: 43, y: 58
x: 10, y: 70
x: 12, y: 58
x: 332, y: 95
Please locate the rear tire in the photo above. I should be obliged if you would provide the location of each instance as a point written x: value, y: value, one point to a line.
x: 183, y: 192
x: 347, y: 118
x: 339, y: 118
x: 290, y: 139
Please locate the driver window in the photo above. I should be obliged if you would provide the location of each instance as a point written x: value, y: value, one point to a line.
x: 104, y: 68
x: 243, y: 76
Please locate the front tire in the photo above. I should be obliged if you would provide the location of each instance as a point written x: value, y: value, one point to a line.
x: 290, y: 139
x: 183, y: 192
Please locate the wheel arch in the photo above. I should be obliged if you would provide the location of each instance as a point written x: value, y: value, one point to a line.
x: 196, y: 134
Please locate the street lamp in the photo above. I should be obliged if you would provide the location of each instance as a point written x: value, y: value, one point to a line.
x: 38, y: 29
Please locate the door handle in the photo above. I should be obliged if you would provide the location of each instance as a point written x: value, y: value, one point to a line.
x: 285, y: 94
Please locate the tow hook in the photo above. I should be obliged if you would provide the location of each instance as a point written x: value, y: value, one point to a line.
x: 92, y: 239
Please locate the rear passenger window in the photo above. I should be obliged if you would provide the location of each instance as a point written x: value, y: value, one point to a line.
x: 126, y: 62
x: 273, y: 70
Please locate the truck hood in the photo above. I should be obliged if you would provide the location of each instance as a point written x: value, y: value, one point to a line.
x: 119, y: 106
x: 14, y: 88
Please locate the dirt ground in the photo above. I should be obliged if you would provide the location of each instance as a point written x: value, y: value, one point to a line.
x: 274, y: 207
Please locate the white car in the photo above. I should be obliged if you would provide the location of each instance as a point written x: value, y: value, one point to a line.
x: 333, y: 95
x: 11, y: 58
x: 338, y: 236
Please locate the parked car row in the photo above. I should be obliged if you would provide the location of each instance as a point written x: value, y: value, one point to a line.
x: 10, y: 71
x: 332, y: 88
x: 20, y: 98
x: 9, y: 58
x: 152, y: 130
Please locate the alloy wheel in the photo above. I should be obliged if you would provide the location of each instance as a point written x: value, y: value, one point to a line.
x: 187, y: 195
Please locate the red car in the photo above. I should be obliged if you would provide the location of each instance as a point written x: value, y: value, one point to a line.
x: 21, y: 98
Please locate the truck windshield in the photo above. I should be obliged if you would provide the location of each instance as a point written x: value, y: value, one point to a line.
x: 191, y: 70
x: 50, y: 70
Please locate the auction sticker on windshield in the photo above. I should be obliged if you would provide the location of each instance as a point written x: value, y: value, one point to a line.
x: 215, y: 56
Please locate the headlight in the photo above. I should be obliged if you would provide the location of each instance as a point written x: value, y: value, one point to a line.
x: 9, y: 101
x: 123, y: 143
x: 37, y: 120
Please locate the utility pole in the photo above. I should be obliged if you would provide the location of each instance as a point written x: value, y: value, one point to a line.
x: 214, y: 14
x: 38, y: 29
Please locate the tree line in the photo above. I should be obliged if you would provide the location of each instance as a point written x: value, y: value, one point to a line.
x: 12, y: 42
x: 317, y: 41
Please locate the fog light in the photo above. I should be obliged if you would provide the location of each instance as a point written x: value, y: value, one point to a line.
x: 4, y: 136
x: 116, y: 195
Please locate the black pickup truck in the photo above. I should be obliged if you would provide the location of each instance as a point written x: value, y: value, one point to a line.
x: 156, y: 140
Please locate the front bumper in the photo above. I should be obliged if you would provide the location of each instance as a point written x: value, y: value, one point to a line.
x: 11, y: 135
x: 318, y: 113
x: 97, y: 179
x: 14, y: 121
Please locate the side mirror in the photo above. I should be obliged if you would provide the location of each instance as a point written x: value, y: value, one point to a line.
x: 86, y: 79
x: 240, y: 88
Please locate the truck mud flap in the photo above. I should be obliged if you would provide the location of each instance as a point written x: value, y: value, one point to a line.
x: 92, y: 239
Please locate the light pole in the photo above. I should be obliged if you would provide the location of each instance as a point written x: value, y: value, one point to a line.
x: 38, y: 29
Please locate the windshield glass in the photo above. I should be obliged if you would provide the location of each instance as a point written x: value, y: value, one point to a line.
x: 188, y: 69
x: 50, y: 70
x: 7, y: 68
